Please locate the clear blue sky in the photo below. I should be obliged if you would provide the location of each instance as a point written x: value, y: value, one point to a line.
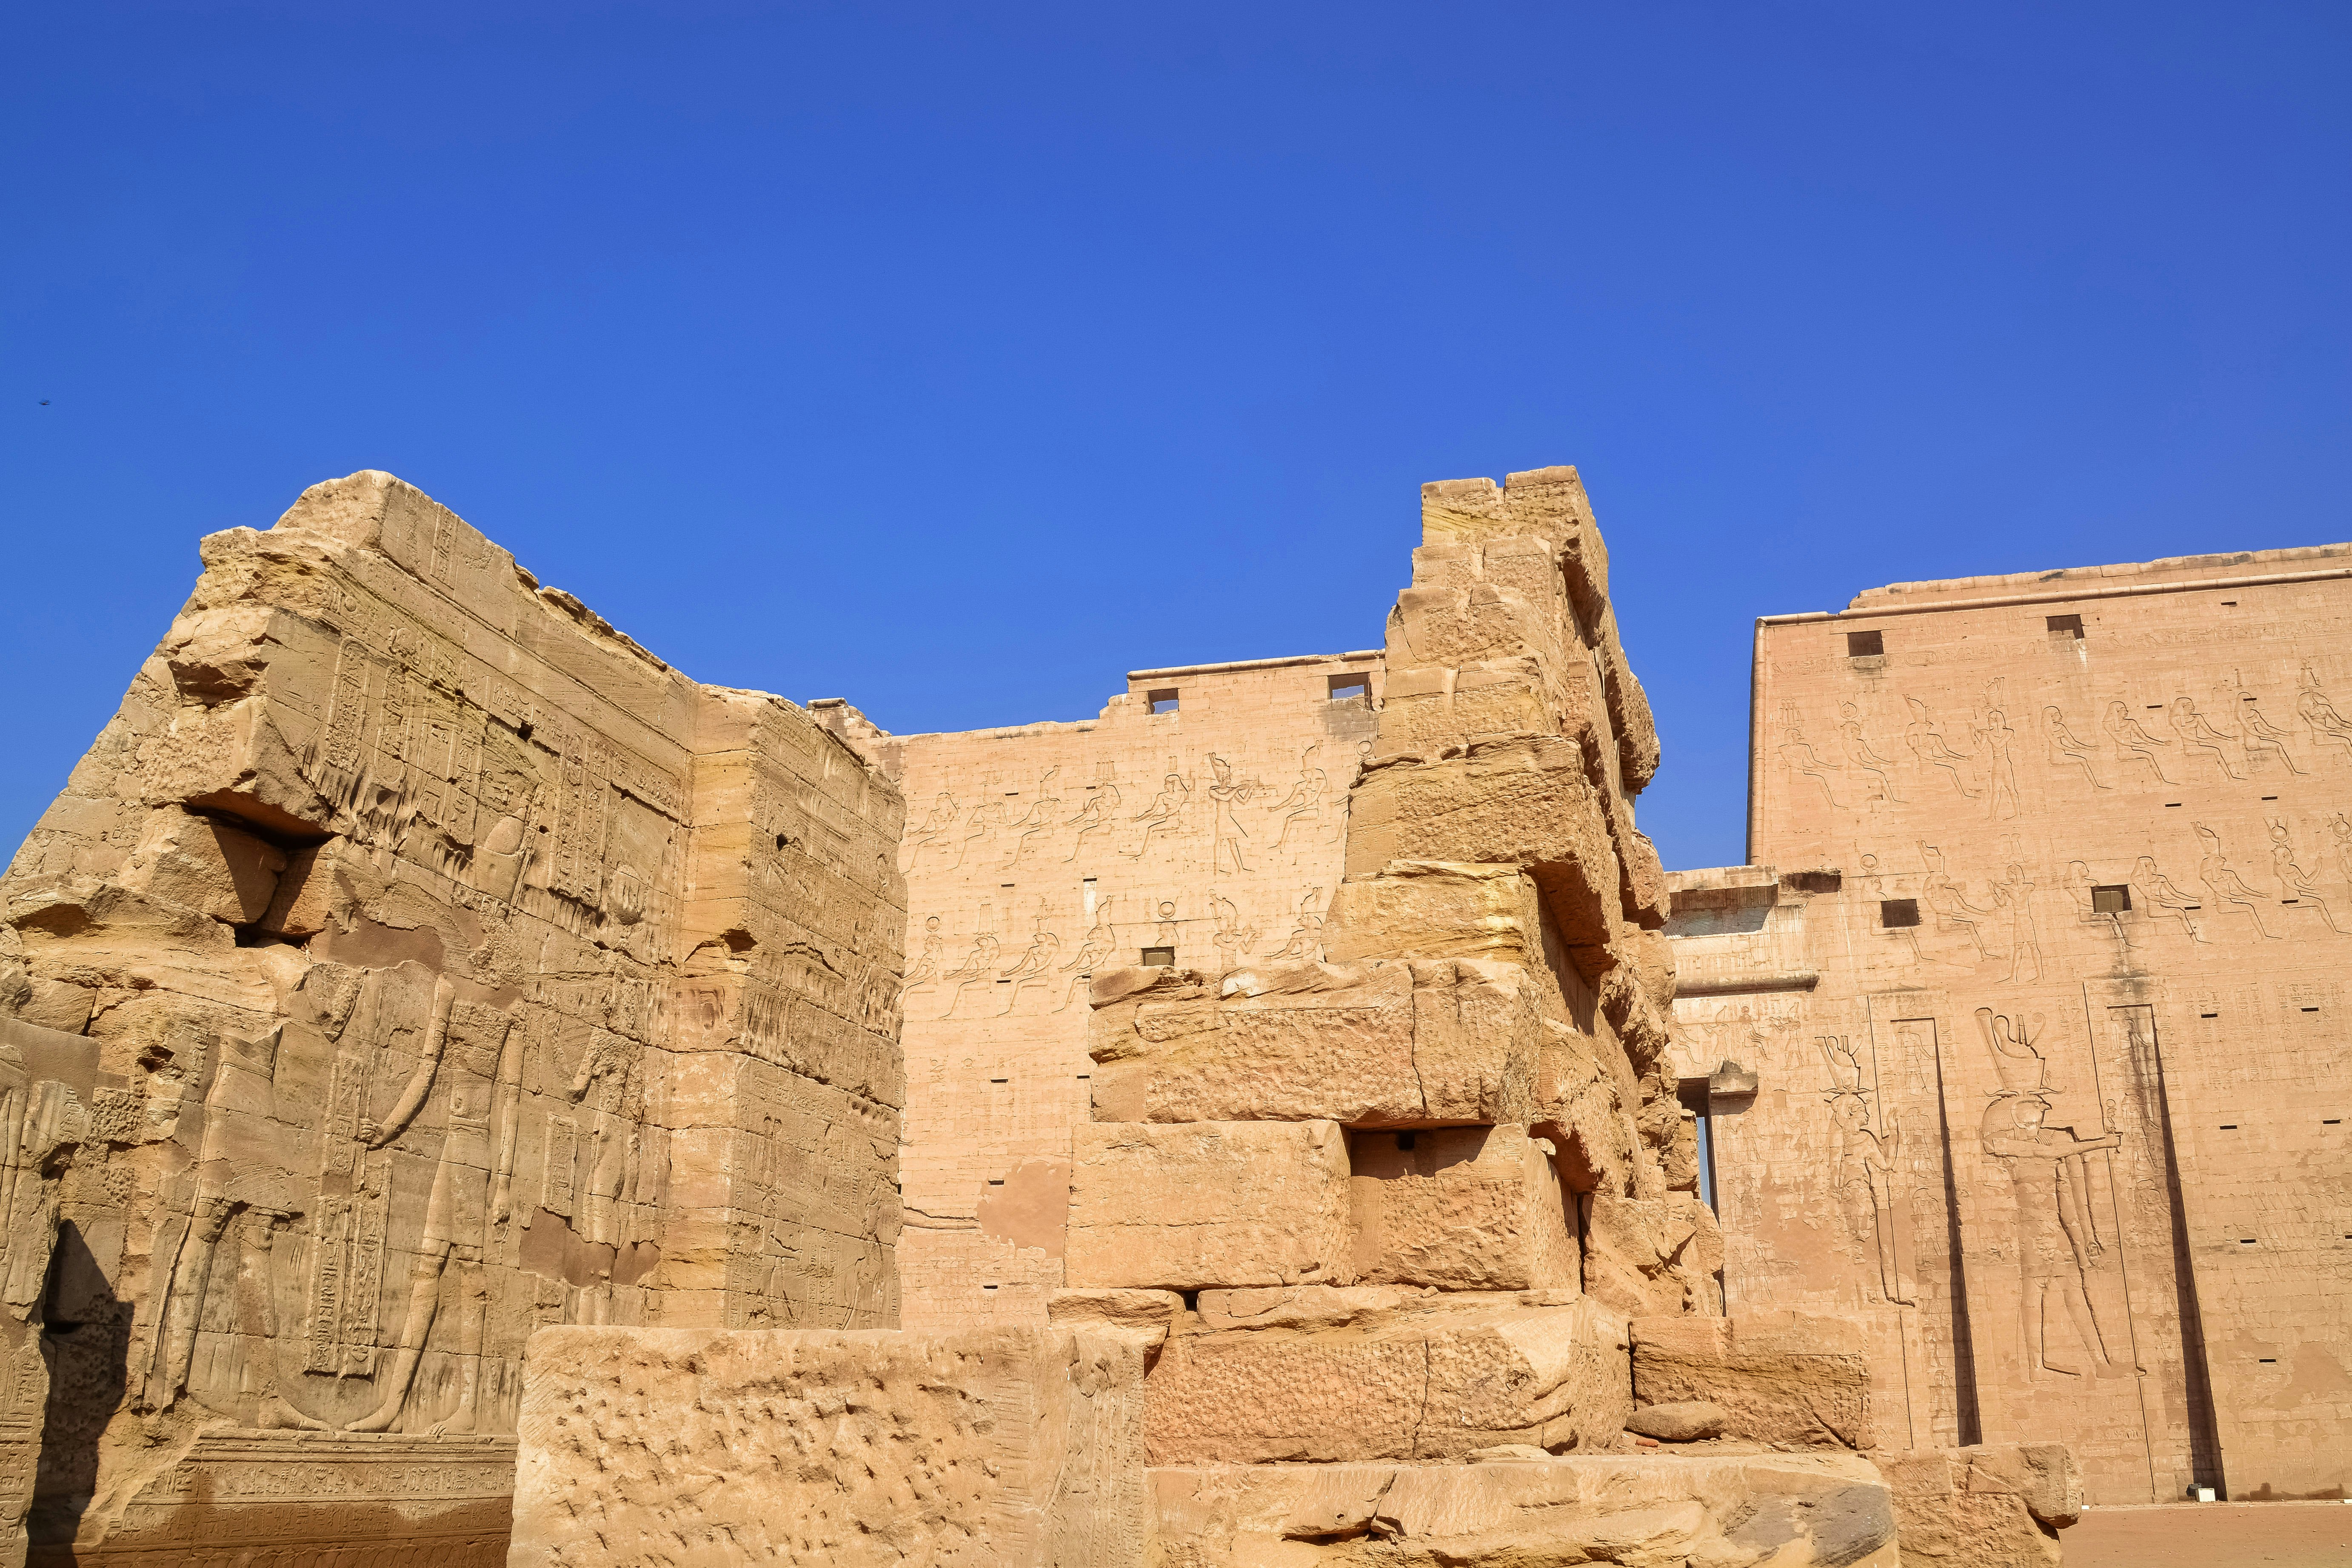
x: 957, y: 360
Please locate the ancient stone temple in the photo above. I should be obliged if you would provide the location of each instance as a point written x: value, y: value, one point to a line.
x: 2027, y: 1026
x: 415, y: 962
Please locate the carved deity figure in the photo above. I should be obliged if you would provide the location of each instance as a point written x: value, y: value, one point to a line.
x: 1928, y: 745
x: 1800, y: 756
x: 2197, y: 735
x: 2296, y: 885
x: 1038, y: 819
x: 2226, y: 886
x: 2057, y: 1241
x: 978, y: 968
x: 1861, y: 758
x: 1095, y: 816
x: 1306, y: 796
x: 2016, y: 896
x: 1951, y: 905
x: 2065, y: 749
x: 1227, y: 795
x: 2131, y: 740
x: 1030, y: 968
x: 2151, y: 888
x: 2311, y: 705
x: 1095, y: 950
x: 1863, y: 1169
x: 1306, y: 942
x: 1231, y: 938
x: 1998, y: 737
x: 2261, y: 738
x: 933, y: 830
x: 924, y: 973
x: 1165, y: 810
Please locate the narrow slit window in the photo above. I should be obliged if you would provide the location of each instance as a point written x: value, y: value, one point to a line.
x: 1355, y: 687
x: 2064, y: 628
x: 1865, y: 645
x: 1895, y: 913
x: 1158, y: 957
x: 2112, y: 900
x: 1162, y: 701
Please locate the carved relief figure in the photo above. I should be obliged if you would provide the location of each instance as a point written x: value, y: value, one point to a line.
x: 1951, y: 905
x: 976, y: 827
x: 933, y: 830
x: 1304, y: 944
x: 2056, y: 1243
x: 923, y: 974
x: 2342, y: 828
x: 1164, y: 811
x: 2295, y: 884
x: 2151, y: 888
x: 2197, y: 735
x: 1861, y: 758
x: 1997, y: 737
x: 2133, y: 741
x: 978, y: 968
x: 2016, y: 896
x: 1306, y: 795
x: 1227, y: 794
x: 2080, y: 887
x: 1928, y: 745
x: 1864, y: 1168
x: 1800, y: 756
x: 1030, y: 968
x: 1037, y: 819
x: 2065, y: 750
x: 2261, y: 737
x: 1095, y: 816
x: 2226, y: 886
x: 1231, y: 938
x: 2311, y: 704
x: 1095, y: 950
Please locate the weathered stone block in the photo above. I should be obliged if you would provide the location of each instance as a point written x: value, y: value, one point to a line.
x: 1782, y: 1377
x: 1183, y: 1205
x: 1996, y: 1506
x: 1435, y: 909
x: 1001, y: 1447
x: 1463, y: 1208
x: 1366, y: 1373
x: 205, y: 865
x: 1380, y: 1045
x: 1142, y: 1317
x: 1651, y: 1512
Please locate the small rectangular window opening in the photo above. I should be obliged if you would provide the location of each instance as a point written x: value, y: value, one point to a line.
x: 2228, y: 1127
x: 1163, y: 701
x: 1896, y: 913
x: 2112, y: 900
x: 1157, y: 956
x: 1404, y: 1140
x: 1355, y: 688
x: 2331, y: 1121
x: 1865, y: 645
x: 2064, y: 628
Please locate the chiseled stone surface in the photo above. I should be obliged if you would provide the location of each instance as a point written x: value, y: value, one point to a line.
x: 1369, y: 1372
x: 1998, y: 1505
x: 446, y: 966
x: 2040, y: 975
x: 1463, y: 1208
x: 703, y: 1448
x: 1790, y: 1379
x: 1755, y: 1511
x: 1183, y: 1205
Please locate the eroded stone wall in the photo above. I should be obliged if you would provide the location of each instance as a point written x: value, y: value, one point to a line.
x: 2039, y: 974
x: 446, y: 966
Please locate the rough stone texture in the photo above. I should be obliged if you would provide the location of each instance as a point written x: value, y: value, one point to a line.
x: 1993, y: 1506
x: 990, y: 1448
x: 1784, y: 1510
x: 448, y: 966
x: 1785, y: 1378
x: 1144, y: 1317
x: 1685, y: 1422
x: 1372, y: 1372
x: 1188, y: 1204
x: 1372, y: 1045
x: 1463, y: 1208
x: 2073, y: 1142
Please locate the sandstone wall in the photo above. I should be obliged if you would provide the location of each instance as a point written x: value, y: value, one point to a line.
x: 443, y: 965
x: 2040, y: 971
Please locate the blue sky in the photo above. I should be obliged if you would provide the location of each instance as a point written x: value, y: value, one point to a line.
x: 958, y: 359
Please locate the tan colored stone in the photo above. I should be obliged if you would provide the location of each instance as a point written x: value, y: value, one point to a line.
x: 1684, y: 1423
x: 307, y: 894
x: 1995, y: 1506
x: 1782, y: 1511
x: 1365, y: 1373
x: 206, y: 866
x: 1010, y: 1448
x: 1787, y: 1378
x: 1184, y: 1206
x: 1435, y: 909
x: 1464, y: 1208
x: 1373, y: 1045
x: 1141, y: 1316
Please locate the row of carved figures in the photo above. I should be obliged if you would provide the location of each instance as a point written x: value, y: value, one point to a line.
x: 2199, y: 747
x: 1035, y: 969
x: 955, y: 829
